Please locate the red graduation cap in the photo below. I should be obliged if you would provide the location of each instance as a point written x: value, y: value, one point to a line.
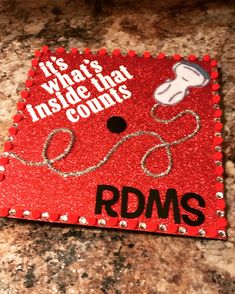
x: 117, y: 141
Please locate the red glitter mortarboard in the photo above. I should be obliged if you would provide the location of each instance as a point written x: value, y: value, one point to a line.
x: 117, y: 141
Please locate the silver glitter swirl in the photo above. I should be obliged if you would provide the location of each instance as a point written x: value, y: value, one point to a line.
x: 163, y: 144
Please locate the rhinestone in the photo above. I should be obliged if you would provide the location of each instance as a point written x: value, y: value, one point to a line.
x: 221, y: 233
x: 123, y: 223
x: 218, y: 163
x: 82, y: 220
x: 218, y: 148
x: 12, y: 212
x: 15, y: 125
x: 218, y: 134
x: 2, y: 168
x: 6, y: 154
x: 220, y: 213
x: 26, y: 213
x: 45, y: 215
x: 219, y: 179
x: 10, y: 139
x: 182, y: 230
x: 102, y: 222
x: 142, y: 226
x: 64, y: 218
x: 217, y: 119
x: 219, y: 195
x: 162, y: 227
x: 202, y: 232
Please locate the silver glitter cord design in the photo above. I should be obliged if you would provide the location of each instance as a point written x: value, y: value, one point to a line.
x: 163, y: 144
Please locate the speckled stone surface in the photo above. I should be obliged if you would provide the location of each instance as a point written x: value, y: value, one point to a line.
x: 41, y: 258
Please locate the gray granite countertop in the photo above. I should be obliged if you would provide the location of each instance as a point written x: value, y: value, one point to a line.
x: 42, y: 258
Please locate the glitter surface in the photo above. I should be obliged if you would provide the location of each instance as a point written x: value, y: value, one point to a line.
x: 38, y: 188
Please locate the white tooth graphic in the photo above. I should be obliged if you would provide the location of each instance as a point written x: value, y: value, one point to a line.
x: 187, y: 74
